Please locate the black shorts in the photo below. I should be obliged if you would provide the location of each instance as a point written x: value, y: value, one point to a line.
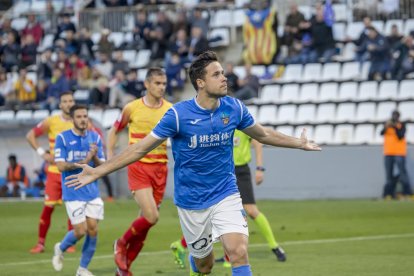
x: 244, y: 182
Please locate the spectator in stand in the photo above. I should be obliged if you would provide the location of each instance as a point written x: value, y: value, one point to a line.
x: 181, y: 23
x: 249, y: 86
x: 159, y: 44
x: 403, y: 62
x: 10, y: 53
x: 45, y: 66
x: 6, y: 88
x: 33, y: 28
x: 64, y: 25
x: 118, y: 62
x: 41, y: 94
x: 114, y: 3
x: 104, y: 45
x: 232, y: 78
x: 142, y: 30
x: 323, y: 43
x: 73, y: 68
x: 24, y: 88
x: 394, y: 38
x: 198, y: 43
x: 173, y: 70
x: 116, y: 89
x: 99, y: 96
x: 361, y: 53
x: 71, y: 43
x: 127, y: 90
x: 379, y: 54
x: 165, y: 24
x: 6, y: 28
x: 56, y: 86
x: 28, y: 51
x: 104, y: 65
x: 292, y: 31
x: 180, y: 44
x: 199, y: 21
x: 85, y: 46
x: 17, y: 180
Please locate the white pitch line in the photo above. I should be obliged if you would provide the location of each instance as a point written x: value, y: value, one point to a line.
x: 303, y: 242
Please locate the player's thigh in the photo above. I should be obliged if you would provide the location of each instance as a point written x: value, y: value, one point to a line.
x: 145, y: 200
x: 229, y: 217
x: 159, y: 182
x: 95, y: 209
x: 245, y: 185
x: 76, y: 211
x: 197, y: 230
x: 53, y: 189
x: 235, y: 246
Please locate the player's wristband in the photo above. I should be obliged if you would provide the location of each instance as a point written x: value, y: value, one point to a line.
x: 40, y: 151
x: 260, y: 168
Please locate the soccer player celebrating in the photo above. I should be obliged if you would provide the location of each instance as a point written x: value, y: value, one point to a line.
x: 209, y: 204
x: 84, y: 206
x: 51, y: 126
x: 147, y: 178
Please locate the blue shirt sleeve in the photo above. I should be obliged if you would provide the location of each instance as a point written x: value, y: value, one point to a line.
x: 168, y: 126
x: 60, y: 149
x: 247, y: 119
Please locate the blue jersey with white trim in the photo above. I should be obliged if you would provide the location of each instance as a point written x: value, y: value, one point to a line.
x: 71, y: 147
x: 202, y: 145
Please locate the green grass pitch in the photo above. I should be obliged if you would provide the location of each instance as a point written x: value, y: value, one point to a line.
x: 341, y: 237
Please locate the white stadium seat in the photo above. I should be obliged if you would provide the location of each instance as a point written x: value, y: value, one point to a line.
x: 367, y: 90
x: 348, y: 91
x: 312, y: 72
x: 253, y: 109
x: 267, y: 114
x: 340, y: 11
x: 289, y: 93
x: 388, y: 90
x: 354, y: 30
x: 325, y: 113
x: 143, y: 58
x: 323, y: 134
x: 388, y: 25
x: 409, y: 135
x: 270, y: 94
x: 406, y: 90
x: 239, y: 17
x: 365, y: 70
x: 117, y: 38
x: 384, y: 110
x: 24, y: 115
x: 56, y: 112
x: 222, y: 18
x: 81, y: 95
x: 378, y: 138
x: 293, y: 72
x: 343, y: 134
x: 6, y: 115
x: 19, y: 23
x: 364, y: 134
x: 222, y: 33
x: 339, y: 31
x: 129, y: 56
x: 41, y: 114
x: 309, y: 131
x: 328, y: 92
x: 331, y: 71
x: 408, y: 27
x: 347, y: 52
x: 350, y: 70
x: 96, y: 114
x: 309, y: 92
x: 109, y: 117
x: 287, y: 130
x: 366, y: 112
x: 378, y: 25
x: 95, y: 37
x: 286, y: 114
x: 345, y: 112
x: 406, y: 110
x: 306, y: 113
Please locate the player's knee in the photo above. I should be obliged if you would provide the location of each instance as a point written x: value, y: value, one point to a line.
x: 238, y: 254
x: 93, y: 232
x: 206, y: 268
x: 152, y: 216
x: 79, y: 232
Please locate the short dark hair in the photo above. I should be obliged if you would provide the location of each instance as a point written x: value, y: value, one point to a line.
x: 64, y: 94
x: 154, y: 71
x: 198, y: 66
x: 77, y: 107
x: 12, y: 157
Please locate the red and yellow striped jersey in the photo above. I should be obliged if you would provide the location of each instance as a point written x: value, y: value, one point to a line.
x: 52, y: 125
x: 142, y: 119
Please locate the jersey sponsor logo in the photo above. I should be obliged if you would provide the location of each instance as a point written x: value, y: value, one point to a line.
x: 195, y: 121
x: 72, y: 142
x: 202, y: 243
x: 77, y: 212
x: 210, y: 140
x: 225, y: 118
x: 243, y: 212
x: 76, y: 155
x: 57, y: 152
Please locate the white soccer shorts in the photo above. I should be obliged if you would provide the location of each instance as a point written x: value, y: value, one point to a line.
x: 79, y: 210
x: 201, y: 228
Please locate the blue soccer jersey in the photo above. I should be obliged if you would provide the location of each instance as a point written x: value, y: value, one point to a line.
x: 71, y: 147
x: 202, y: 145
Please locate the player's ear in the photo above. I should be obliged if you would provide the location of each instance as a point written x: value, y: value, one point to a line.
x: 200, y: 83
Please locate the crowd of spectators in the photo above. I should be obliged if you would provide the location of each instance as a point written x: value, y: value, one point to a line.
x: 75, y: 62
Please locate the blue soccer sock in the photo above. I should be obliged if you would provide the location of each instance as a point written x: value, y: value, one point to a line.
x: 192, y: 264
x: 68, y: 241
x: 243, y: 270
x: 88, y: 250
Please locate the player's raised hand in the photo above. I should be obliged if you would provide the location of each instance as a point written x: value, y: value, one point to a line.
x: 307, y: 144
x: 86, y: 176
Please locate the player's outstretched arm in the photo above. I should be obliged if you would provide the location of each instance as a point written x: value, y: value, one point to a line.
x: 274, y: 138
x: 131, y: 154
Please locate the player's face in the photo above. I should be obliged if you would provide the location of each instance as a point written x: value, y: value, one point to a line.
x: 80, y: 119
x: 66, y: 102
x: 214, y: 83
x: 156, y: 86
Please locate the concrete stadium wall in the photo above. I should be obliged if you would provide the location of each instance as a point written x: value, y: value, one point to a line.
x: 336, y: 172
